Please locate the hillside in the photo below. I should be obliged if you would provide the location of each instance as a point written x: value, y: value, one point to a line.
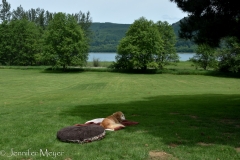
x: 106, y: 37
x: 182, y: 45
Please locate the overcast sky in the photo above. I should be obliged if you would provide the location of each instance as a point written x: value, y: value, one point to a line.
x: 115, y: 11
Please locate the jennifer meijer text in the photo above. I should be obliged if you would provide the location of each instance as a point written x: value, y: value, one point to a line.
x: 29, y: 152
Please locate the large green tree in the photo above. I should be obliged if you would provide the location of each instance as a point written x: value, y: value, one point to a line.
x: 209, y: 20
x: 168, y: 54
x: 65, y: 43
x: 140, y: 47
x: 6, y: 57
x: 19, y: 42
x: 147, y: 45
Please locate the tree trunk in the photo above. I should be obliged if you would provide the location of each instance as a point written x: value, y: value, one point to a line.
x: 144, y: 68
x: 64, y: 67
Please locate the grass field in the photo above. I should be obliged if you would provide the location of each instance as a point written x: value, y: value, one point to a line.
x: 187, y: 117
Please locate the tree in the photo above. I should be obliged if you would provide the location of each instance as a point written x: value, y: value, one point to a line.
x: 32, y: 15
x: 5, y: 55
x: 147, y: 45
x: 85, y: 21
x: 19, y: 42
x: 141, y: 46
x: 40, y: 18
x: 19, y: 14
x: 65, y: 42
x: 229, y: 55
x: 5, y: 12
x: 168, y: 54
x: 205, y: 57
x: 48, y: 17
x: 209, y: 20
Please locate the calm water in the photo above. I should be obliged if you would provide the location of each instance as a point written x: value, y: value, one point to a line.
x: 111, y: 56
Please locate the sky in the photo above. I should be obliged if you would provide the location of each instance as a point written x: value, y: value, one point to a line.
x: 115, y: 11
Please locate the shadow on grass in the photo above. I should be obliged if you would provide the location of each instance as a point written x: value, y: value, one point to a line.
x: 100, y: 69
x: 60, y: 70
x: 177, y: 120
x: 148, y: 71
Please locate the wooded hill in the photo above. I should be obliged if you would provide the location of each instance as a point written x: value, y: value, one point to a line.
x: 106, y: 36
x: 182, y: 45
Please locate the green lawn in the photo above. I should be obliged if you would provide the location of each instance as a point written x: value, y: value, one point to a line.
x: 180, y: 116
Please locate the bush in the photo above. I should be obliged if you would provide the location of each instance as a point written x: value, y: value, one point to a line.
x: 96, y: 62
x: 229, y: 56
x: 205, y: 57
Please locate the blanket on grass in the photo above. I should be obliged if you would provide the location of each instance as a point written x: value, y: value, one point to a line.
x: 81, y: 134
x: 97, y: 121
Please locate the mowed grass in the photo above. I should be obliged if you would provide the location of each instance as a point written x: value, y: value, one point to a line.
x: 180, y: 116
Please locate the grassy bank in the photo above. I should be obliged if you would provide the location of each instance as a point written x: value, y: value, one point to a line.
x: 180, y: 116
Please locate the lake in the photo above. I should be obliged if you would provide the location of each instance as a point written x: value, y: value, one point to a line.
x: 111, y: 56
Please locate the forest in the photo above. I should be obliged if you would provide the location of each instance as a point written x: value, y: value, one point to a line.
x: 39, y: 37
x: 106, y: 37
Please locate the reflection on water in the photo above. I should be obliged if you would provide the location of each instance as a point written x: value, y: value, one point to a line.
x: 111, y: 56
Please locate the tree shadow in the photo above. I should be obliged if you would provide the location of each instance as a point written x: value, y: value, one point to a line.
x: 60, y: 70
x: 223, y: 74
x: 178, y: 119
x: 147, y: 71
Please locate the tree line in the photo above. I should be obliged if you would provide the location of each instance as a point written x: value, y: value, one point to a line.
x: 39, y: 37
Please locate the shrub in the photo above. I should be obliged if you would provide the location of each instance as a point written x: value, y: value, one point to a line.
x: 96, y: 62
